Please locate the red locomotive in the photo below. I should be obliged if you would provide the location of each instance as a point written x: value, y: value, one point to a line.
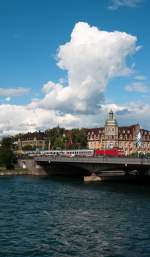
x: 114, y: 152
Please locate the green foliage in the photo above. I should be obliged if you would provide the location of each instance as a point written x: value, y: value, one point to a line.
x: 148, y: 155
x: 7, y: 156
x: 60, y: 138
x: 79, y: 138
x: 133, y: 155
x: 6, y: 143
x: 56, y: 136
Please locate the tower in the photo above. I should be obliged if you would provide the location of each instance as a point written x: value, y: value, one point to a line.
x: 111, y: 131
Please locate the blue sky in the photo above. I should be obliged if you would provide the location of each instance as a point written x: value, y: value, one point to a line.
x: 31, y: 32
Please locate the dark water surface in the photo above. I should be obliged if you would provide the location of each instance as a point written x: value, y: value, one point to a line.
x: 45, y: 217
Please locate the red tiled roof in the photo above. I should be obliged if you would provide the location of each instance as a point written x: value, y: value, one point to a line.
x: 124, y: 130
x: 31, y: 136
x: 96, y: 131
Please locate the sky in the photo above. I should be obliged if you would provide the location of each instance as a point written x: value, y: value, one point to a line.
x: 69, y: 62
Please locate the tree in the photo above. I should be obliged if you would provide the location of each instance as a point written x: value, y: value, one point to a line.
x: 79, y: 138
x: 7, y: 156
x: 55, y: 136
x: 60, y: 138
x: 6, y: 143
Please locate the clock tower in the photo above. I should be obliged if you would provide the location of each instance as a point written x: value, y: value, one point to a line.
x: 111, y: 131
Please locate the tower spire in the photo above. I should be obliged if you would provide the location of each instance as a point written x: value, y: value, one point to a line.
x: 111, y: 115
x: 111, y: 120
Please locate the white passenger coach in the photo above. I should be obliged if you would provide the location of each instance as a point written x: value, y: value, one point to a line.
x: 67, y: 153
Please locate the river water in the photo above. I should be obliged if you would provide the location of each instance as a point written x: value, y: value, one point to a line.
x: 62, y: 218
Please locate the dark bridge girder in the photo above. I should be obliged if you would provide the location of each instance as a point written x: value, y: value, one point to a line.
x: 85, y: 166
x: 61, y: 169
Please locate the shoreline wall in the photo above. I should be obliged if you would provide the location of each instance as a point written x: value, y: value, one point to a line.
x: 30, y: 167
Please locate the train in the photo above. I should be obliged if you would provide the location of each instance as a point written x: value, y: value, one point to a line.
x: 66, y: 153
x: 114, y: 152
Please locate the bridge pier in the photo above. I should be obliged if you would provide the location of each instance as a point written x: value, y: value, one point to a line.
x: 32, y: 166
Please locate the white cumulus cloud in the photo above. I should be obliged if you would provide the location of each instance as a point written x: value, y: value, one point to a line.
x: 21, y: 119
x: 91, y: 59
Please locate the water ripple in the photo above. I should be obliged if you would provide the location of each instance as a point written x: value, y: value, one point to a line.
x: 63, y: 218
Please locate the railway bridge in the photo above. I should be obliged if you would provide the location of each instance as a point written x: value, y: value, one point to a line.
x: 75, y: 166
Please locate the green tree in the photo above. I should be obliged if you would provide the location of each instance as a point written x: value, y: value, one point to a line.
x: 79, y: 138
x: 55, y: 136
x: 60, y: 138
x: 7, y: 156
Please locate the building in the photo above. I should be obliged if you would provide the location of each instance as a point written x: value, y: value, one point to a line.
x: 130, y: 138
x: 31, y: 141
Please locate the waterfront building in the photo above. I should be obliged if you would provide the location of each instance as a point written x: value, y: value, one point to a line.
x: 31, y: 141
x: 129, y: 138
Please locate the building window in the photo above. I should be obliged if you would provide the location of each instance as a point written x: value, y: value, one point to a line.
x: 130, y: 137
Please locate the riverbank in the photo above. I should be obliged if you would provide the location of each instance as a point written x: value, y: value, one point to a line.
x: 14, y: 172
x: 17, y: 172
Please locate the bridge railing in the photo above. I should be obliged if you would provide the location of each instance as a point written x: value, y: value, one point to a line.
x: 104, y: 159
